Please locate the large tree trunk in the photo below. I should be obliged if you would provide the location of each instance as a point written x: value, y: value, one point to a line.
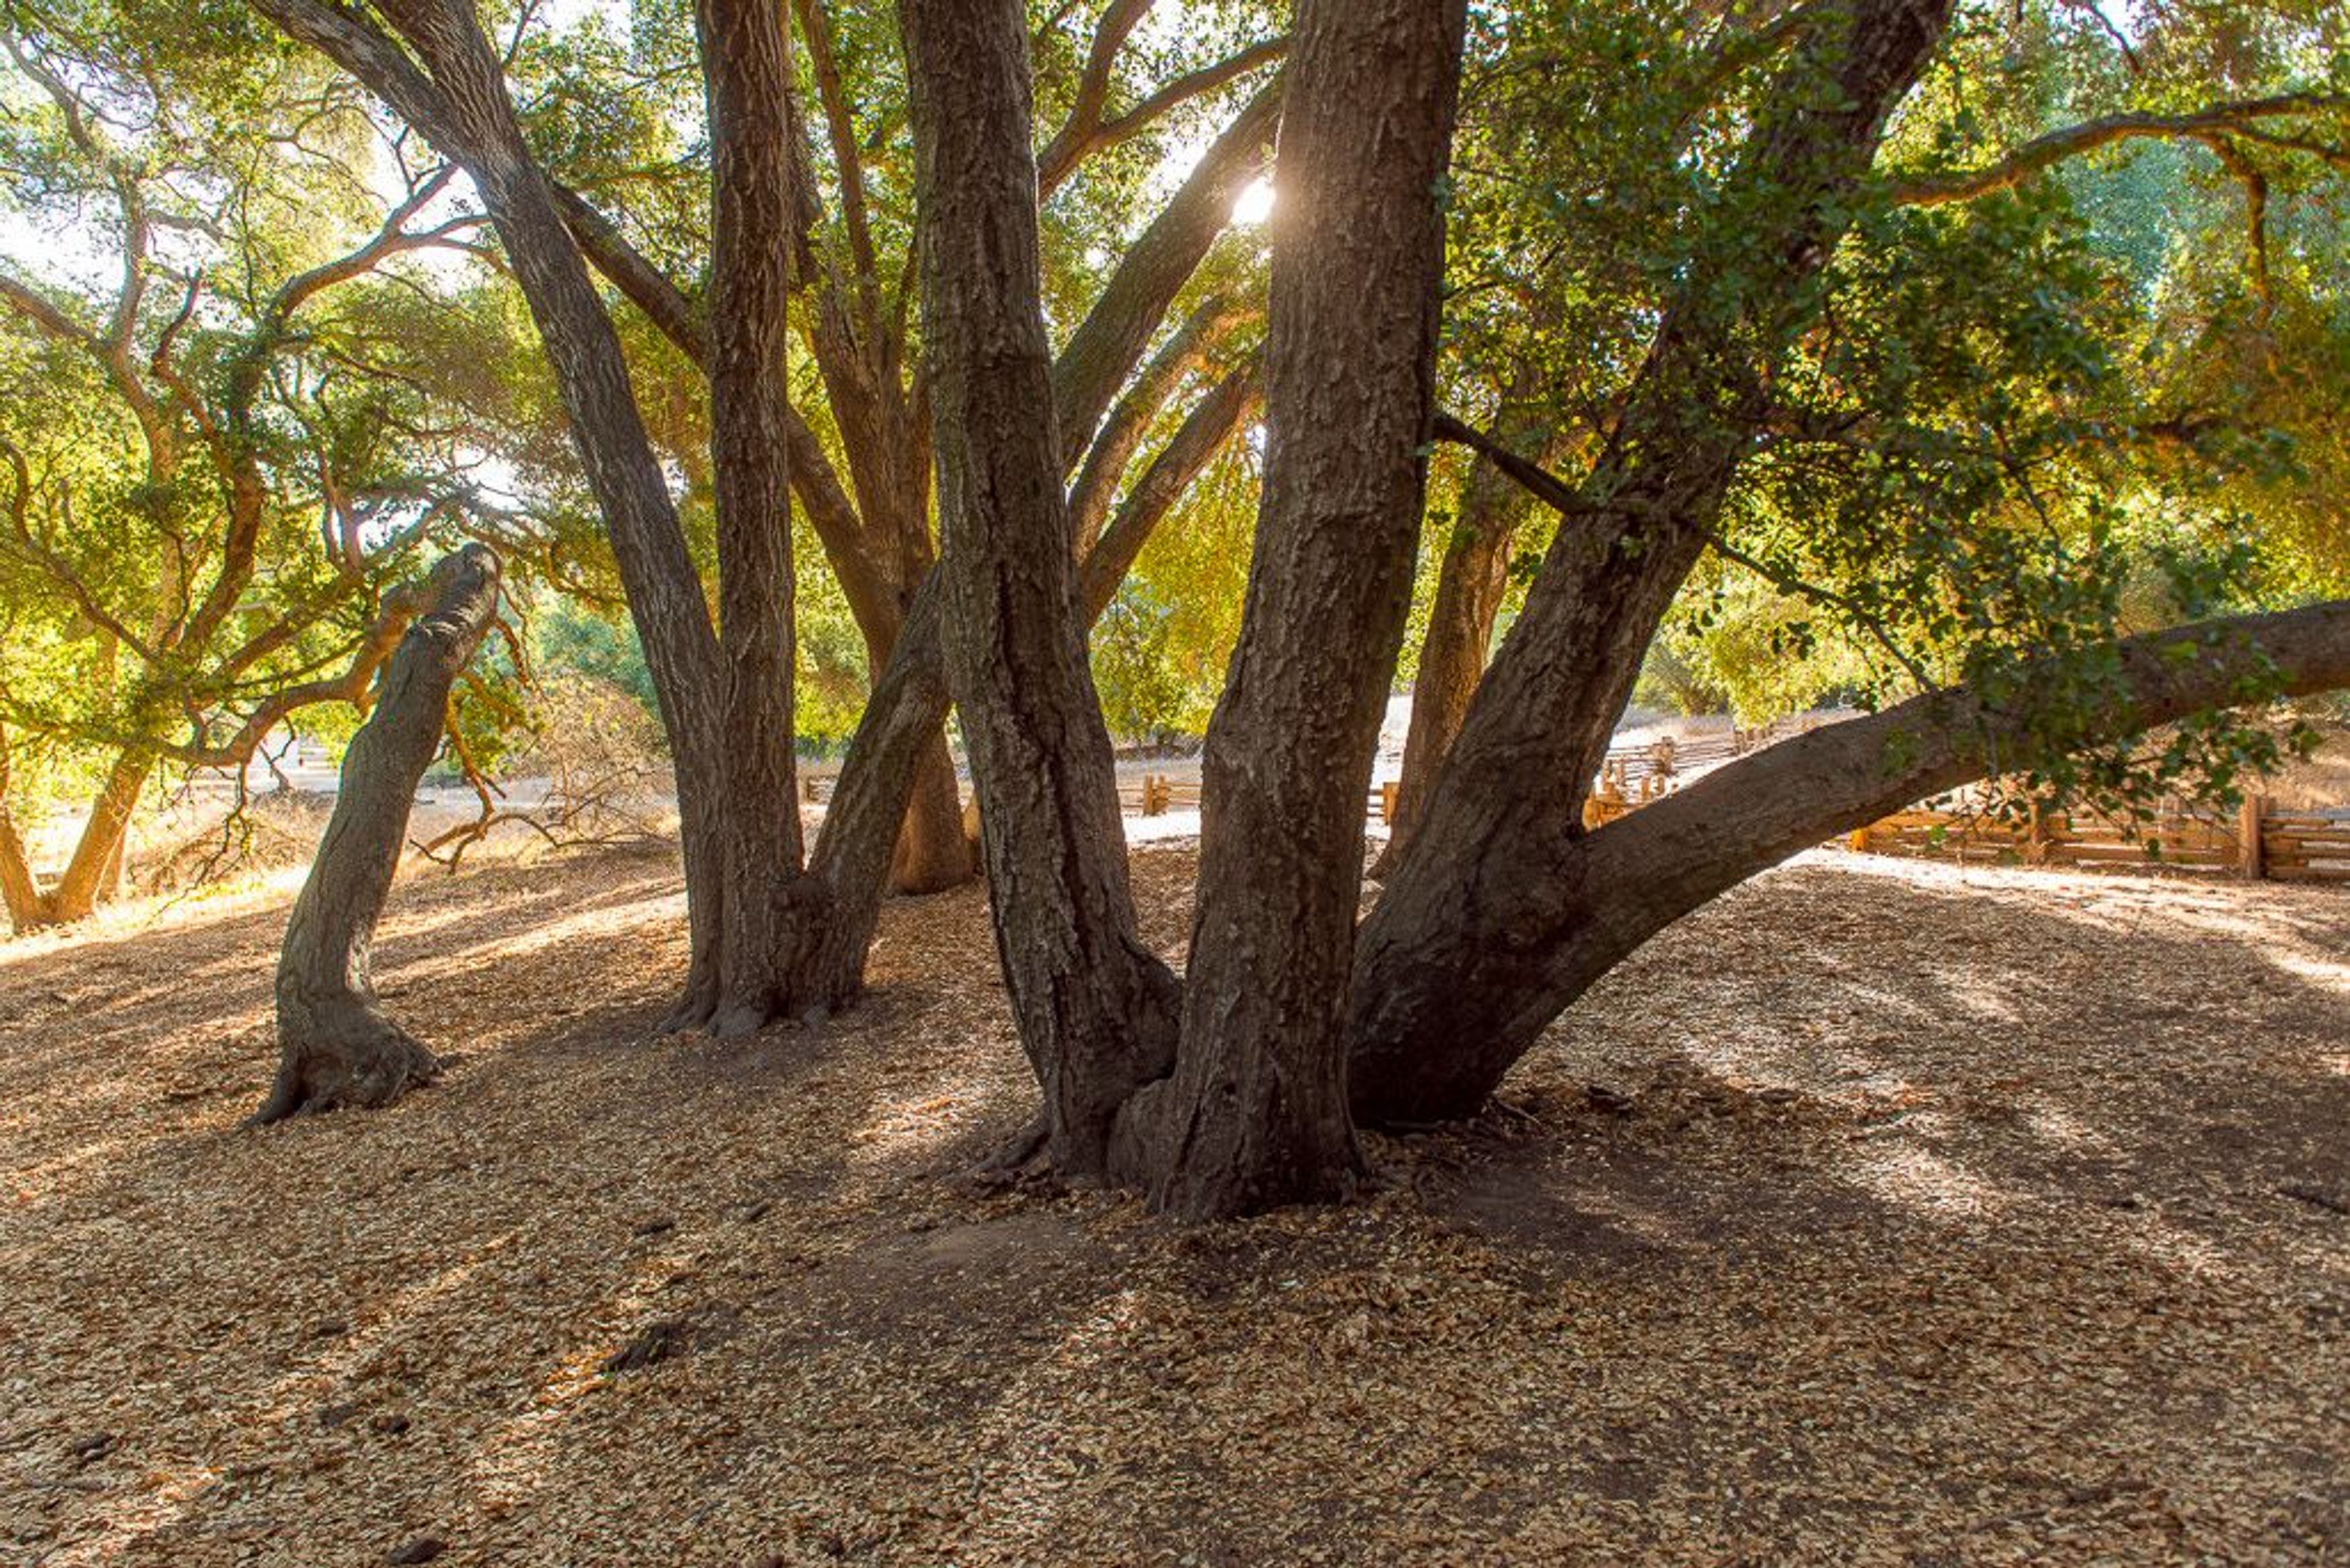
x: 1500, y: 841
x: 1415, y: 1060
x: 337, y: 1045
x: 1213, y: 421
x: 706, y: 692
x: 1256, y: 1114
x: 746, y: 62
x: 664, y: 592
x: 1094, y: 1008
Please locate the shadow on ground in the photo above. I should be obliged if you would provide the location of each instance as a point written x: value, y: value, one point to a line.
x: 1879, y: 1213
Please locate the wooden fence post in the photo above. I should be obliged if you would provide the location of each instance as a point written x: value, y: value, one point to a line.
x: 1388, y: 803
x: 2248, y: 837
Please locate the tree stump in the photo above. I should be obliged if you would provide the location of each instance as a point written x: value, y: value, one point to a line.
x: 337, y: 1046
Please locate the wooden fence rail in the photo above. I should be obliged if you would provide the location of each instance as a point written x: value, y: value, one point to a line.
x: 2258, y: 841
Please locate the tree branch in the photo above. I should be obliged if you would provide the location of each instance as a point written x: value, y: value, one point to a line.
x: 1212, y: 423
x: 2043, y: 153
x: 1057, y: 162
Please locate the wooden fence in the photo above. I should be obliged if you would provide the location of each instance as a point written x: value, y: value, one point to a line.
x: 2259, y: 841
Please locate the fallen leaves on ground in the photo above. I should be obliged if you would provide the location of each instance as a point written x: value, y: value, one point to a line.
x: 1881, y: 1212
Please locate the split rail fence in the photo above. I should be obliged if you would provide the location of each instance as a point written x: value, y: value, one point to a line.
x: 2261, y: 841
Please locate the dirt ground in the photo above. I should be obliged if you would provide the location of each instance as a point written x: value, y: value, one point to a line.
x: 1883, y: 1212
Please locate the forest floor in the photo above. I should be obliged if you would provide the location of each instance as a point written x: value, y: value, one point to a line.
x: 1883, y: 1212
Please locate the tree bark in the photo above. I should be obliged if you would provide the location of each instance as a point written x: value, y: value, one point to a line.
x: 1256, y: 1114
x: 1432, y: 1043
x: 664, y: 592
x: 1094, y: 1008
x: 1502, y: 832
x: 1470, y: 582
x: 92, y: 872
x: 459, y: 100
x: 337, y: 1045
x: 746, y: 63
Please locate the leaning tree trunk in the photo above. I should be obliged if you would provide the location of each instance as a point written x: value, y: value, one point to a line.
x: 1256, y: 1114
x: 1095, y: 1010
x: 94, y: 873
x: 337, y: 1045
x: 1415, y: 1061
x: 1499, y: 847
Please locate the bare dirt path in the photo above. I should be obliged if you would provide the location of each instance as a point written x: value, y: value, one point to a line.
x: 1883, y: 1213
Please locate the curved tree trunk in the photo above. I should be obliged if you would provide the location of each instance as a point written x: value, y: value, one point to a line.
x: 94, y: 873
x: 1479, y: 883
x: 1094, y: 1008
x: 337, y: 1046
x: 1433, y: 1039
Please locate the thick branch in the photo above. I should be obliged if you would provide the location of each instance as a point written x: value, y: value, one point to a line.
x: 1121, y: 434
x: 1613, y: 889
x: 1117, y: 23
x: 2042, y: 153
x: 400, y: 607
x: 1203, y: 432
x: 1060, y: 162
x: 1102, y: 352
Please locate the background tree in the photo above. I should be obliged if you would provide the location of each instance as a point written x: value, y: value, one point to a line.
x: 442, y: 75
x: 227, y: 433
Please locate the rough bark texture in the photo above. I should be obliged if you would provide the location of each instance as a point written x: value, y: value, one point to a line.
x: 337, y: 1046
x: 1256, y: 1114
x: 746, y: 62
x: 723, y: 703
x: 1626, y: 882
x: 1473, y: 889
x: 876, y: 542
x: 664, y: 592
x: 1096, y: 1009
